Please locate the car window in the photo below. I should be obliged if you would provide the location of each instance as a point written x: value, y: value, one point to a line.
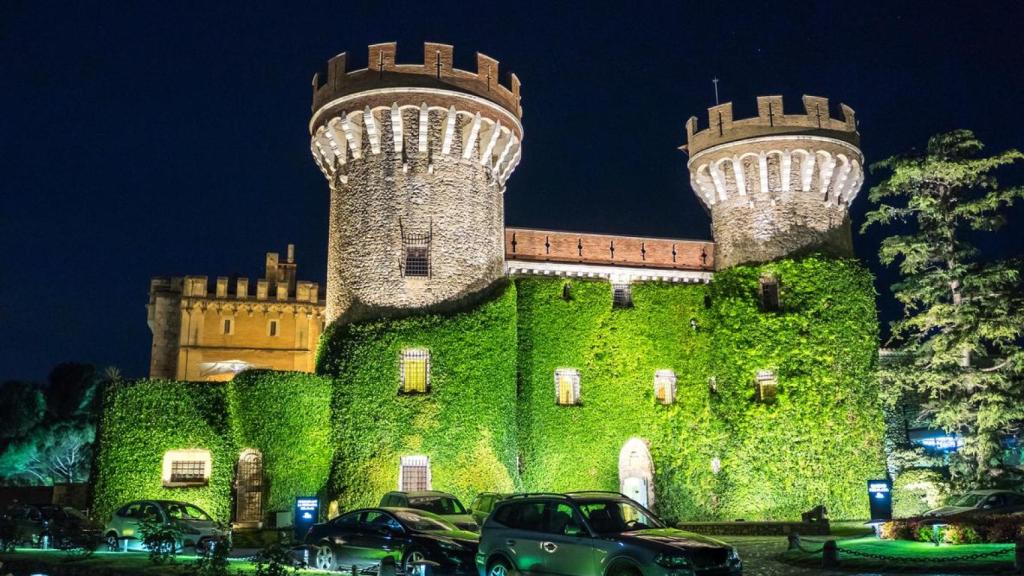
x: 130, y: 511
x: 522, y: 516
x: 185, y: 512
x: 437, y: 505
x: 615, y: 516
x: 423, y: 522
x: 150, y: 512
x: 970, y: 500
x: 347, y: 520
x: 995, y: 500
x: 563, y: 520
x: 378, y: 520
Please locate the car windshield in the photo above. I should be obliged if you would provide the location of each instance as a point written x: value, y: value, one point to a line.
x: 186, y: 512
x: 971, y: 500
x: 615, y: 516
x: 437, y: 505
x: 424, y: 523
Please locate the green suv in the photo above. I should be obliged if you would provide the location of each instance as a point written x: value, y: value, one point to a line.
x: 593, y: 534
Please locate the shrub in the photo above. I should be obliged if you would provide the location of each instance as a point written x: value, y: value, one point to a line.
x: 916, y: 491
x: 161, y: 539
x: 899, y: 530
x: 960, y: 534
x: 213, y: 560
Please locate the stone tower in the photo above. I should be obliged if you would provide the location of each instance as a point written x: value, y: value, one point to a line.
x: 779, y: 184
x: 416, y: 156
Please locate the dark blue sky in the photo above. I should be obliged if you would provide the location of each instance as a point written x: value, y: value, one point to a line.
x: 169, y: 138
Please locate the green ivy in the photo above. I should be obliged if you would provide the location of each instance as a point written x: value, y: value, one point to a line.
x: 466, y: 422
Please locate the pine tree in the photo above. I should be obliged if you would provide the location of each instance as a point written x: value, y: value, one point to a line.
x: 960, y: 334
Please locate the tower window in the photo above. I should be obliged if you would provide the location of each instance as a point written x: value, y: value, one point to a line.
x: 414, y: 474
x: 415, y: 371
x: 567, y: 386
x: 665, y: 386
x: 770, y: 294
x: 416, y: 254
x: 766, y: 386
x: 272, y: 328
x: 228, y: 325
x: 622, y: 297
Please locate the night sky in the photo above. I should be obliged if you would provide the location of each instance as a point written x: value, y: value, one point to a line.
x: 140, y: 139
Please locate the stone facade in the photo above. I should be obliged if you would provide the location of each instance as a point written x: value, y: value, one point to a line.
x: 777, y: 185
x: 203, y: 334
x: 416, y: 157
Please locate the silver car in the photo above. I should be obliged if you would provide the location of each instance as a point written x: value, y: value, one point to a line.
x: 196, y: 527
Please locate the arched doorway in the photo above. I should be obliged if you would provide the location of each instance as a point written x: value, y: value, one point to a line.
x: 249, y: 488
x: 636, y: 472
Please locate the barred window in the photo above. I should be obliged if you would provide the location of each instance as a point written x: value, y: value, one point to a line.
x: 228, y: 327
x: 665, y: 386
x: 414, y: 474
x: 416, y: 254
x: 567, y: 386
x: 621, y: 296
x: 186, y: 468
x: 770, y: 294
x: 415, y: 371
x: 766, y: 385
x: 272, y: 328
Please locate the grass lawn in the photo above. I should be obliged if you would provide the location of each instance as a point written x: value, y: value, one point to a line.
x: 905, y: 556
x: 55, y: 563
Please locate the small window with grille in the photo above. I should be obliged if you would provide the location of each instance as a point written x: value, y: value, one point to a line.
x: 186, y: 468
x: 567, y: 386
x: 767, y: 385
x: 665, y: 386
x: 622, y: 297
x: 770, y: 301
x: 415, y: 254
x: 415, y: 371
x: 228, y: 325
x: 414, y: 474
x: 272, y: 328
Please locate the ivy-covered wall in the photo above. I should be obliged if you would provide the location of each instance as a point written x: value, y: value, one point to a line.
x: 818, y: 442
x: 465, y: 424
x: 284, y: 415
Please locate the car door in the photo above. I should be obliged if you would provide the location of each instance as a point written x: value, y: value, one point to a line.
x: 567, y: 546
x: 376, y: 538
x: 520, y: 535
x: 342, y: 532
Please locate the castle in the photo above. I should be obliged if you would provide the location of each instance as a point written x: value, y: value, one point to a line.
x: 707, y: 380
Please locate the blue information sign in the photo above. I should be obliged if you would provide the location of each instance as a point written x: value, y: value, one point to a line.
x: 880, y: 495
x: 305, y: 514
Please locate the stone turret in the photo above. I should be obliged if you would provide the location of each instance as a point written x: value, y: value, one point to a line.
x: 778, y: 184
x: 416, y: 156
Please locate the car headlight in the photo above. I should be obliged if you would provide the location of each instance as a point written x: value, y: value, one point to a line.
x: 672, y: 561
x: 448, y: 545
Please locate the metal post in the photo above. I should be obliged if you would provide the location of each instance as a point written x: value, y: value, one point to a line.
x: 387, y: 567
x: 830, y: 554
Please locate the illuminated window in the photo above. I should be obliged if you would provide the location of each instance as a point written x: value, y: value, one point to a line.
x: 665, y: 386
x: 272, y: 328
x: 414, y: 474
x: 567, y: 386
x: 186, y: 468
x: 770, y: 294
x: 228, y: 325
x: 416, y: 254
x: 767, y: 385
x: 415, y: 371
x: 621, y: 296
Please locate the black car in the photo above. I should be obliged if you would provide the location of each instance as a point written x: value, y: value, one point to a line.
x: 54, y: 526
x: 363, y: 538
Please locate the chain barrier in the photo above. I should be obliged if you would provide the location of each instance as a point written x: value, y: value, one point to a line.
x: 961, y: 558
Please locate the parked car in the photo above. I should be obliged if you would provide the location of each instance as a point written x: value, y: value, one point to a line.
x: 197, y: 528
x: 440, y: 503
x: 585, y: 533
x: 982, y: 502
x: 483, y: 504
x: 364, y: 537
x: 59, y: 526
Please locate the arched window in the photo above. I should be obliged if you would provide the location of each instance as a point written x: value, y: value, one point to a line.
x: 249, y: 488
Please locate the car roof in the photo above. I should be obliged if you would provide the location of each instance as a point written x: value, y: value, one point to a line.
x: 422, y: 493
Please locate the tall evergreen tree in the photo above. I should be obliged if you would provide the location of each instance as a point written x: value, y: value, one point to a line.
x: 960, y: 333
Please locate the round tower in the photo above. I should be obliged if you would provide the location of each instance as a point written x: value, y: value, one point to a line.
x: 778, y: 184
x: 416, y: 156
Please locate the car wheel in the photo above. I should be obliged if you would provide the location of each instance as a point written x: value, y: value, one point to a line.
x: 324, y: 558
x: 411, y: 558
x: 112, y: 543
x: 500, y: 567
x: 623, y: 569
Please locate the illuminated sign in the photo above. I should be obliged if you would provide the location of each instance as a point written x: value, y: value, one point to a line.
x: 880, y: 497
x: 304, y: 515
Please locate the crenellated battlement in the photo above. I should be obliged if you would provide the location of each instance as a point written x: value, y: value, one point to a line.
x: 771, y: 120
x: 436, y: 70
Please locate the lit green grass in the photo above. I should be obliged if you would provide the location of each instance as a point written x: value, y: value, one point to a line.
x: 55, y: 563
x: 905, y: 556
